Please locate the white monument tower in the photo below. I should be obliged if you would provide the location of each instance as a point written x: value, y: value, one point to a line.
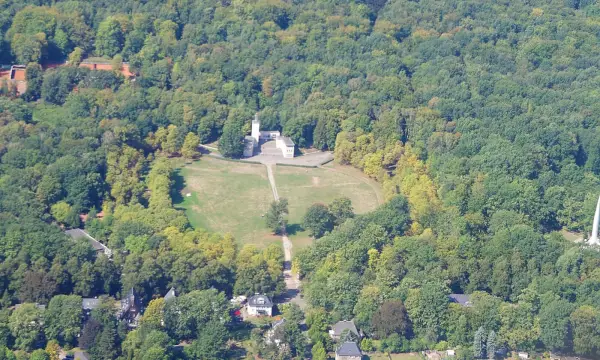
x: 593, y: 240
x: 256, y: 129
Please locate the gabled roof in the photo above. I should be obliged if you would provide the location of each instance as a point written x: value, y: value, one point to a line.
x: 260, y: 300
x: 170, y: 294
x: 130, y: 301
x: 338, y: 328
x: 462, y: 299
x: 278, y: 323
x: 77, y: 234
x: 348, y: 349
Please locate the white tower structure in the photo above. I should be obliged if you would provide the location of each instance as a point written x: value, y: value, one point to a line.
x: 594, y: 236
x: 256, y: 128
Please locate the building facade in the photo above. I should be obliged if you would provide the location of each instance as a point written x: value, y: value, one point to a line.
x: 252, y: 142
x: 259, y: 305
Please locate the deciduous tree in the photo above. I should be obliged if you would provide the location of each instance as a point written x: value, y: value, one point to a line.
x: 109, y: 37
x: 190, y: 145
x: 390, y: 318
x: 275, y: 217
x: 63, y: 319
x: 317, y: 220
x: 25, y: 324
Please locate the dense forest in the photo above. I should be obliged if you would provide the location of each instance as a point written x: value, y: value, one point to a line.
x: 478, y: 118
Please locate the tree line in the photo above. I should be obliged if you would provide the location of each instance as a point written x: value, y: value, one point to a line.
x: 479, y: 119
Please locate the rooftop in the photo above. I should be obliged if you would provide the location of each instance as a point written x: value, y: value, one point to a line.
x: 286, y: 140
x: 260, y: 300
x: 462, y: 299
x: 78, y: 234
x: 90, y: 303
x: 170, y: 294
x: 338, y: 328
x: 278, y: 323
x: 348, y: 349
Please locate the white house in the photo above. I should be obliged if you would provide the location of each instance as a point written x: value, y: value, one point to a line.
x: 286, y: 145
x: 259, y: 305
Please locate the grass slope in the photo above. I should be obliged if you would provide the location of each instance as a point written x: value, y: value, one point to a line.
x: 232, y: 196
x: 304, y: 187
x: 228, y: 197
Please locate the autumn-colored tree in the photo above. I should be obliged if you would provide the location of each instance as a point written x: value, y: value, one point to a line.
x: 189, y: 149
x: 153, y: 315
x: 124, y: 166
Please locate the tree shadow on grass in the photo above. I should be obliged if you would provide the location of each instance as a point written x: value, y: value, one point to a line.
x: 177, y: 188
x: 293, y: 229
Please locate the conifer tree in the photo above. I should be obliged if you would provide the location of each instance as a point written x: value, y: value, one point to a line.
x: 491, y: 345
x: 478, y: 343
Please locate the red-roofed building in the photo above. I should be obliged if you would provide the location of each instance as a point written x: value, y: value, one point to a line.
x: 14, y: 77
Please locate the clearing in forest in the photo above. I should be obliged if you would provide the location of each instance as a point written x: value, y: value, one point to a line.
x: 306, y: 186
x: 226, y: 197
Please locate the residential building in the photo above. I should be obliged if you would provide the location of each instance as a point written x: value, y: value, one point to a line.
x: 38, y: 306
x: 259, y: 305
x: 100, y: 248
x: 348, y: 351
x: 343, y: 326
x: 275, y: 334
x: 462, y: 299
x: 89, y: 304
x: 130, y: 309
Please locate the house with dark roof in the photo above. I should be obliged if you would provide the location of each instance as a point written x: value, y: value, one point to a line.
x: 348, y: 351
x: 78, y: 234
x: 259, y: 305
x: 462, y: 299
x: 343, y: 326
x: 130, y: 309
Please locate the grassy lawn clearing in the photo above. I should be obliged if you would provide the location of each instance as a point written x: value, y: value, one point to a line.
x: 227, y: 197
x: 306, y: 186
